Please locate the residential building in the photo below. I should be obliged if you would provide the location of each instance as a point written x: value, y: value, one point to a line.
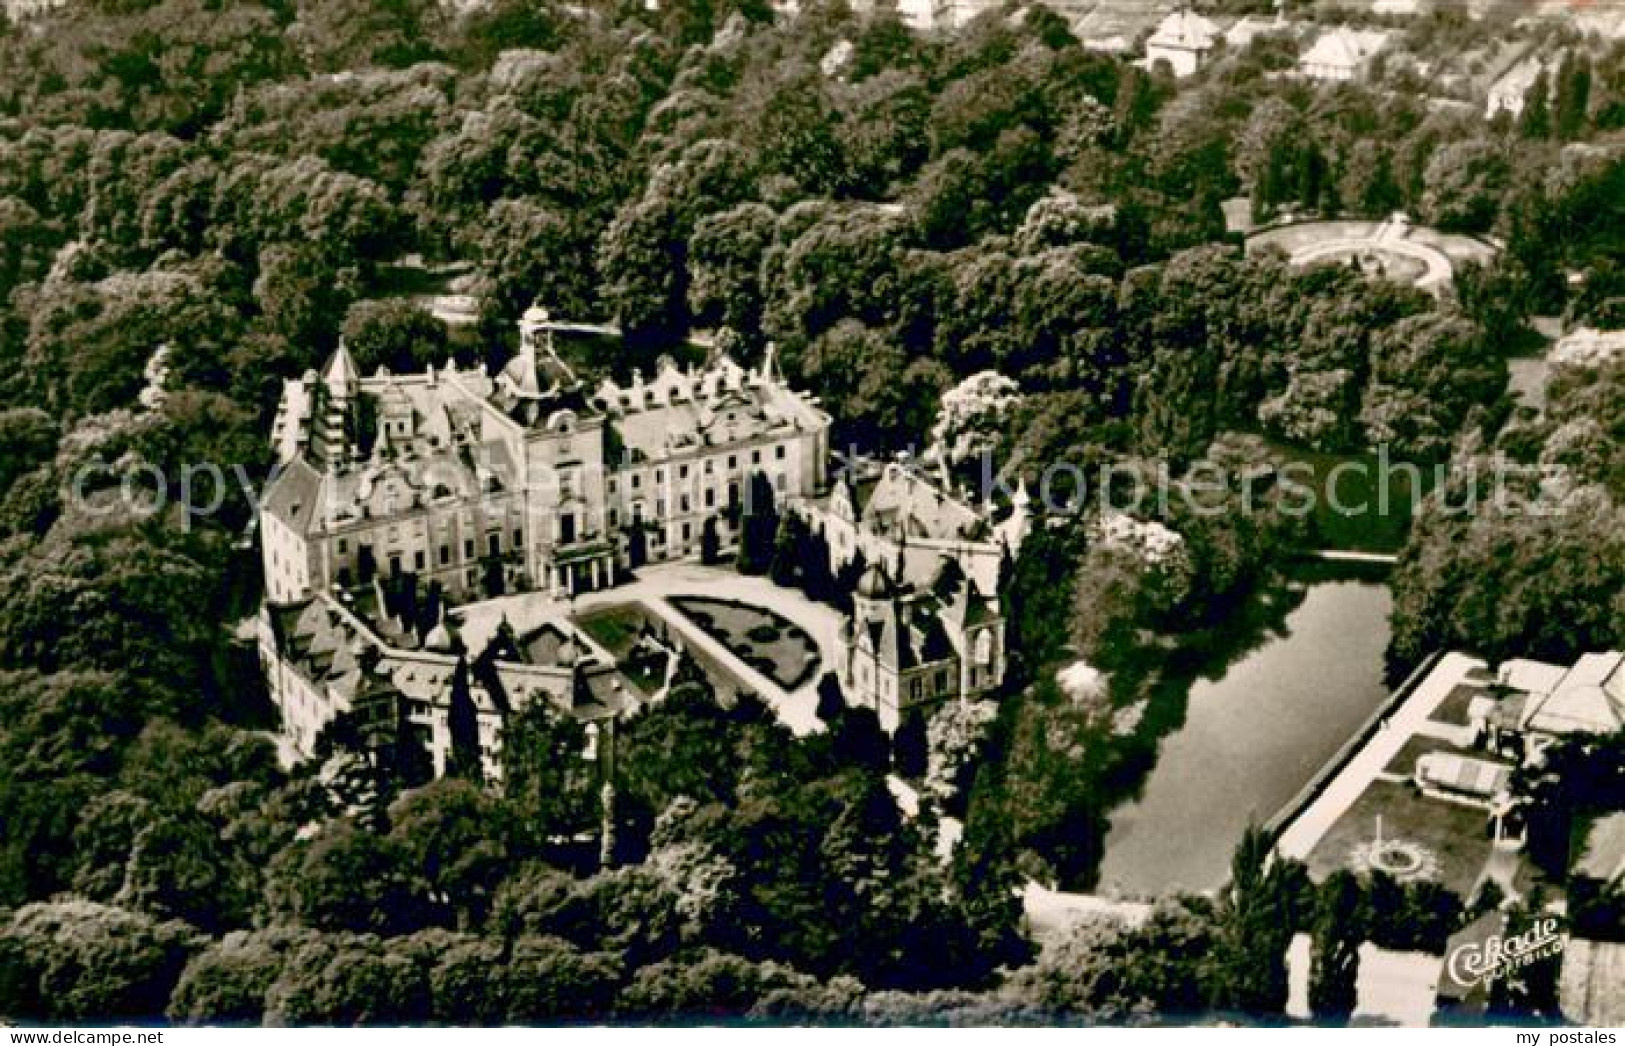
x: 1539, y: 703
x: 1481, y: 783
x: 1510, y: 91
x: 1342, y: 54
x: 1184, y: 40
x: 473, y: 484
x: 327, y: 657
x: 1600, y: 856
x: 926, y: 623
x: 906, y: 646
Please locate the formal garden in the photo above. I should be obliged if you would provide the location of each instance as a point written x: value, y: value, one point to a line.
x: 625, y: 630
x: 772, y: 644
x: 1394, y: 249
x: 1392, y: 822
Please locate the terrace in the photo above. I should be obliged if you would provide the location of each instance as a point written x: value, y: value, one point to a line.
x: 1371, y: 814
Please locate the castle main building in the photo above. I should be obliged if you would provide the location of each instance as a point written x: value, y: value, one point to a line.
x: 525, y: 480
x: 400, y: 497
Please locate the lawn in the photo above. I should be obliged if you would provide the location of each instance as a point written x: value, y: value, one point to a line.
x: 1404, y: 763
x: 1457, y: 836
x: 615, y: 628
x: 1453, y: 709
x: 770, y: 643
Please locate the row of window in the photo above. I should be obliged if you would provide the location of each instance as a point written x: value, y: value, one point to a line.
x: 635, y: 480
x: 685, y: 502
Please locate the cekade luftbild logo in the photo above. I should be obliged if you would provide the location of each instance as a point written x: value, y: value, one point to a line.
x: 1496, y: 956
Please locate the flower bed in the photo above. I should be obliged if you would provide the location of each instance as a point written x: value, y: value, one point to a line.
x: 773, y: 645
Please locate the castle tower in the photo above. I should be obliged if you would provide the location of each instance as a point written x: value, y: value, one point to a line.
x: 874, y: 593
x: 336, y: 396
x: 522, y: 370
x: 769, y: 372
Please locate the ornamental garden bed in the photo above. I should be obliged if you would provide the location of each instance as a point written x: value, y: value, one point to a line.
x: 772, y: 644
x: 1455, y: 839
x: 618, y: 629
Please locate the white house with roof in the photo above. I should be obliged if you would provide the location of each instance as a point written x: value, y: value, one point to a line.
x: 1184, y: 40
x: 1510, y: 91
x: 1342, y: 54
x: 1542, y: 702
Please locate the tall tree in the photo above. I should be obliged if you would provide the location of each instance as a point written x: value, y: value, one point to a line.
x: 758, y: 525
x: 1258, y: 918
x: 1535, y: 121
x: 463, y: 723
x: 787, y: 546
x: 1337, y: 931
x: 554, y: 791
x: 909, y: 750
x: 1573, y: 96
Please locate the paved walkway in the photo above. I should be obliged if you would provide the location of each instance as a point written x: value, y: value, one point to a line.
x: 1436, y: 273
x: 651, y: 589
x: 1300, y: 836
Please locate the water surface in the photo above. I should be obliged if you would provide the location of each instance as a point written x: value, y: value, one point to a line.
x: 1255, y: 732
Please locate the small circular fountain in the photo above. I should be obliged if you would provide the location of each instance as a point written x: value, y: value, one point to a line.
x: 1397, y: 858
x: 1400, y: 858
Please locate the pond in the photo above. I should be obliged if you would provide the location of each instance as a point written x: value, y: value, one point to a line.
x: 1256, y: 729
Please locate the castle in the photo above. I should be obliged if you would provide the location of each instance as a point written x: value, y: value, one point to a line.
x: 526, y: 480
x: 926, y: 623
x: 398, y: 496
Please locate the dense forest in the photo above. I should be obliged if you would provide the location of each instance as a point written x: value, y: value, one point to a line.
x: 238, y: 183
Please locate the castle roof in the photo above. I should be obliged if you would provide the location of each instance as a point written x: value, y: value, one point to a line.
x: 329, y: 646
x: 874, y: 584
x: 906, y: 504
x: 293, y: 495
x: 1344, y: 48
x: 341, y: 369
x: 680, y: 411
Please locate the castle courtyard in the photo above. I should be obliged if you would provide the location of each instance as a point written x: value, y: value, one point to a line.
x: 651, y: 589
